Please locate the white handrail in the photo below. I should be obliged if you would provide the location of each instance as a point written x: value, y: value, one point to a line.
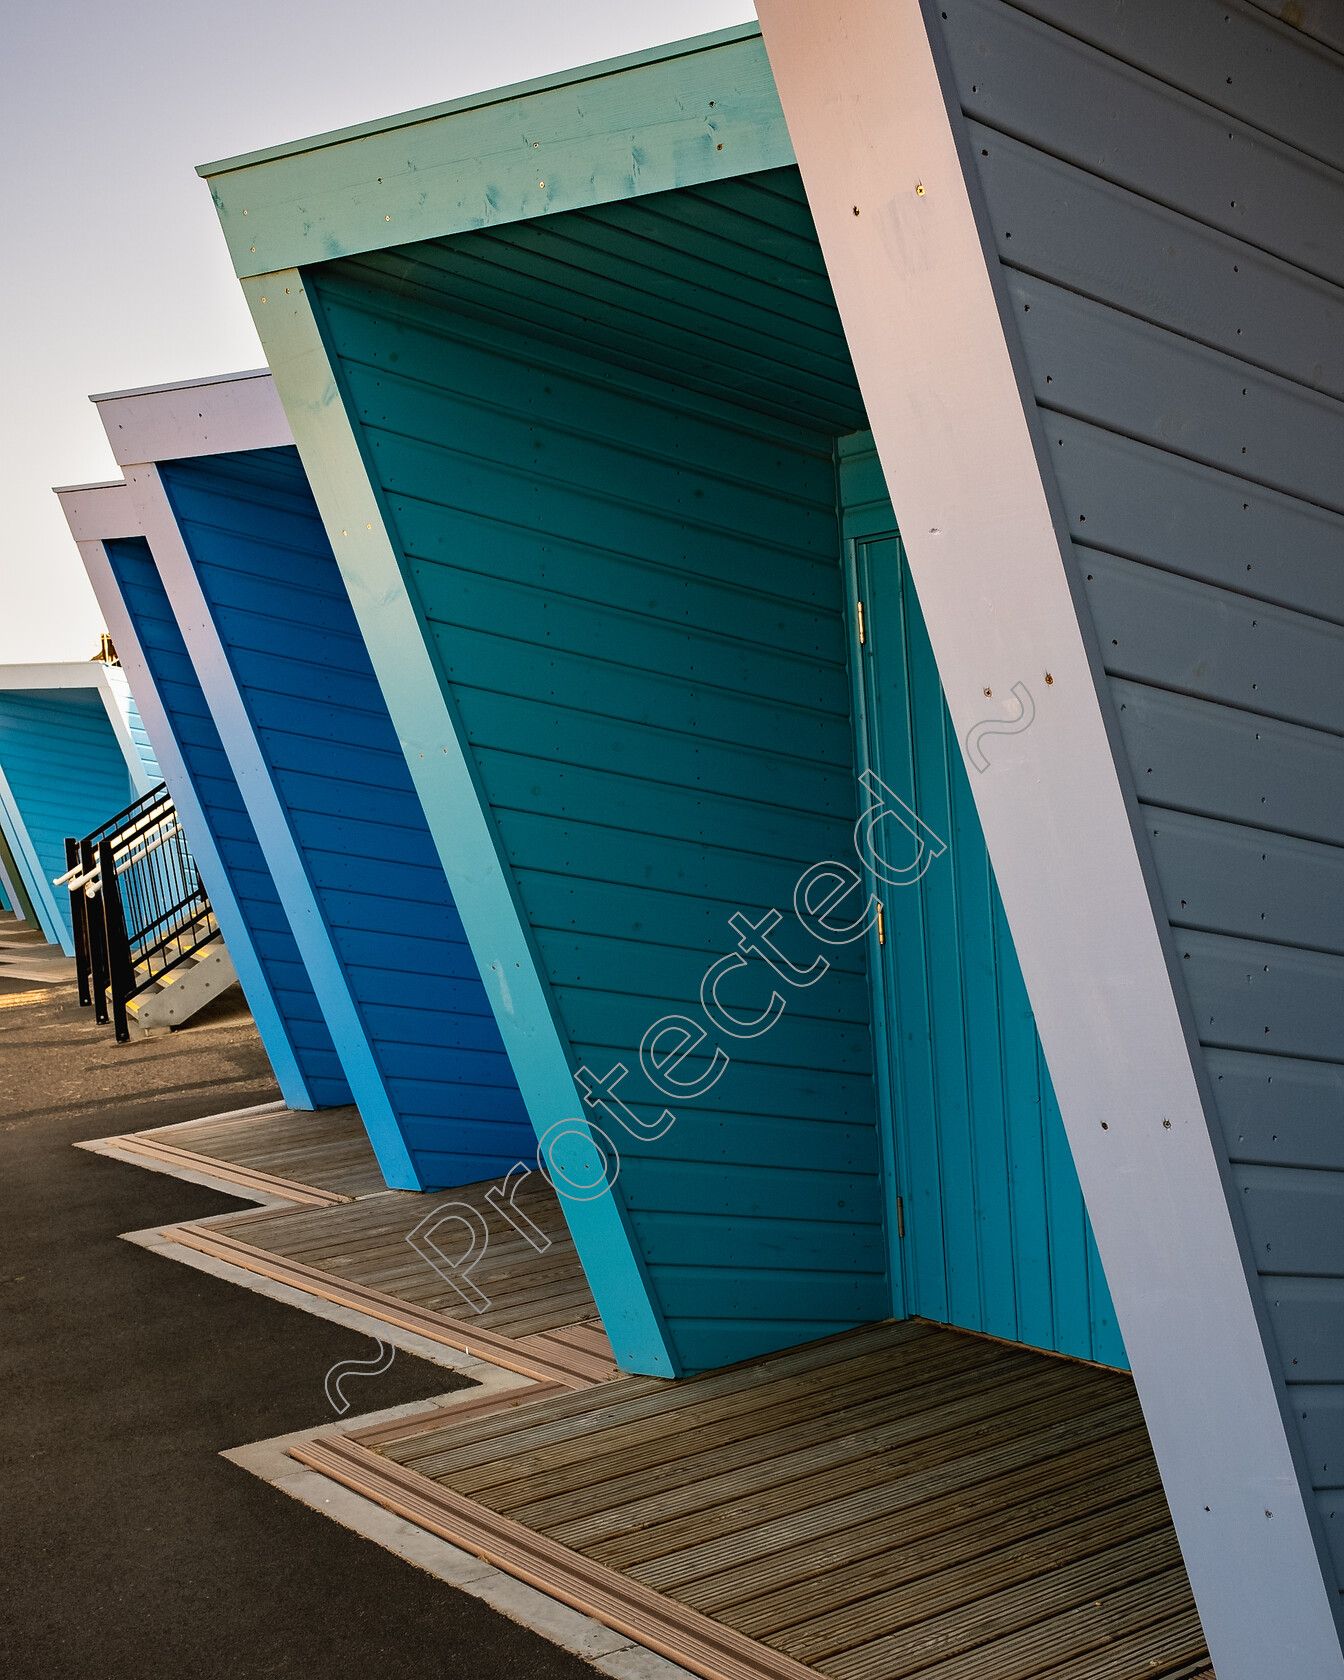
x: 141, y: 846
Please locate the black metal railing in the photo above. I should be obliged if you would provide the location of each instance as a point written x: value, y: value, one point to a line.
x: 137, y: 903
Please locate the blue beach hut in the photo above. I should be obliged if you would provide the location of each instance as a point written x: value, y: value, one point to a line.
x: 73, y: 752
x: 234, y: 554
x: 210, y: 808
x: 853, y: 576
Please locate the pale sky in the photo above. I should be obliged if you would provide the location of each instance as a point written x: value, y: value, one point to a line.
x: 115, y: 272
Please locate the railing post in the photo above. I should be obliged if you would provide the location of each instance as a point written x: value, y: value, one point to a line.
x: 121, y: 970
x: 94, y: 921
x: 80, y: 922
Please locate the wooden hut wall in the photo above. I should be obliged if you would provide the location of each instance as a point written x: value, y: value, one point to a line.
x: 66, y: 773
x: 400, y: 989
x: 1179, y: 291
x: 606, y: 446
x: 223, y: 840
x: 993, y: 1234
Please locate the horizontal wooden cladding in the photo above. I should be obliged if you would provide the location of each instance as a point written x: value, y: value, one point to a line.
x: 1049, y: 89
x: 1154, y: 385
x: 1307, y: 1314
x: 1278, y: 1111
x: 1217, y: 761
x: 1242, y: 65
x: 1063, y: 223
x: 721, y: 289
x: 295, y: 649
x: 624, y: 541
x: 1296, y: 1219
x: 1250, y: 996
x: 1208, y: 641
x: 64, y: 767
x: 235, y: 839
x: 901, y: 1500
x: 1158, y: 191
x: 1225, y: 877
x: 1136, y: 499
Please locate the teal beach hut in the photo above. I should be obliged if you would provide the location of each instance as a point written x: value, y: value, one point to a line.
x: 73, y: 752
x: 232, y: 554
x: 849, y: 573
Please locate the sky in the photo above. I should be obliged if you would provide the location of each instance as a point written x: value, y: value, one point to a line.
x: 113, y: 271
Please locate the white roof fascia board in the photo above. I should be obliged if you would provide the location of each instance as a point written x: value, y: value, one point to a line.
x: 98, y: 512
x: 55, y: 674
x: 918, y: 289
x: 215, y: 416
x: 109, y: 509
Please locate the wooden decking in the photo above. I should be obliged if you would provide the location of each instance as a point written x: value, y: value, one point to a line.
x: 315, y: 1158
x: 343, y: 1237
x: 540, y: 1318
x: 901, y: 1501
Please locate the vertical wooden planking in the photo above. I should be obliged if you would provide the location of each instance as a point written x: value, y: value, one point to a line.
x: 997, y: 1238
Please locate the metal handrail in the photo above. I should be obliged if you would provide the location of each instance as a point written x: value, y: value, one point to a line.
x: 88, y: 880
x: 138, y: 904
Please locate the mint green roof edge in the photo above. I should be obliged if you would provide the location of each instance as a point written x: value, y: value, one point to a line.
x: 477, y: 101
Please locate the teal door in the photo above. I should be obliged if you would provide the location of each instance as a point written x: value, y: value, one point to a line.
x: 986, y: 1222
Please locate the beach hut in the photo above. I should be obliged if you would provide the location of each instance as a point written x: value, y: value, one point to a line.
x: 205, y: 792
x: 234, y: 558
x: 846, y: 524
x: 73, y: 752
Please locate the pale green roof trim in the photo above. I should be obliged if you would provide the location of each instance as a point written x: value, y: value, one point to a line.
x: 677, y: 116
x: 477, y: 101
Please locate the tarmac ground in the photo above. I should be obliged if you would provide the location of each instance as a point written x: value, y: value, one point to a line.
x: 129, y: 1549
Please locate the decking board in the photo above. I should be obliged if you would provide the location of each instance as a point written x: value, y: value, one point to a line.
x: 902, y: 1500
x: 752, y: 1529
x: 284, y: 1153
x: 364, y: 1243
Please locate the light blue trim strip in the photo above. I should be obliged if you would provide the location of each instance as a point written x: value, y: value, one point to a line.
x: 269, y: 818
x: 40, y: 890
x: 154, y: 716
x: 445, y: 778
x: 115, y: 693
x: 7, y: 887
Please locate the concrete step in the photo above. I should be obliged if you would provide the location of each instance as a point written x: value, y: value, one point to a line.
x: 182, y: 993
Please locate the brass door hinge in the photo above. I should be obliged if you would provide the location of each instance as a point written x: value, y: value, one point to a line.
x: 881, y: 926
x: 863, y: 634
x: 900, y: 1216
